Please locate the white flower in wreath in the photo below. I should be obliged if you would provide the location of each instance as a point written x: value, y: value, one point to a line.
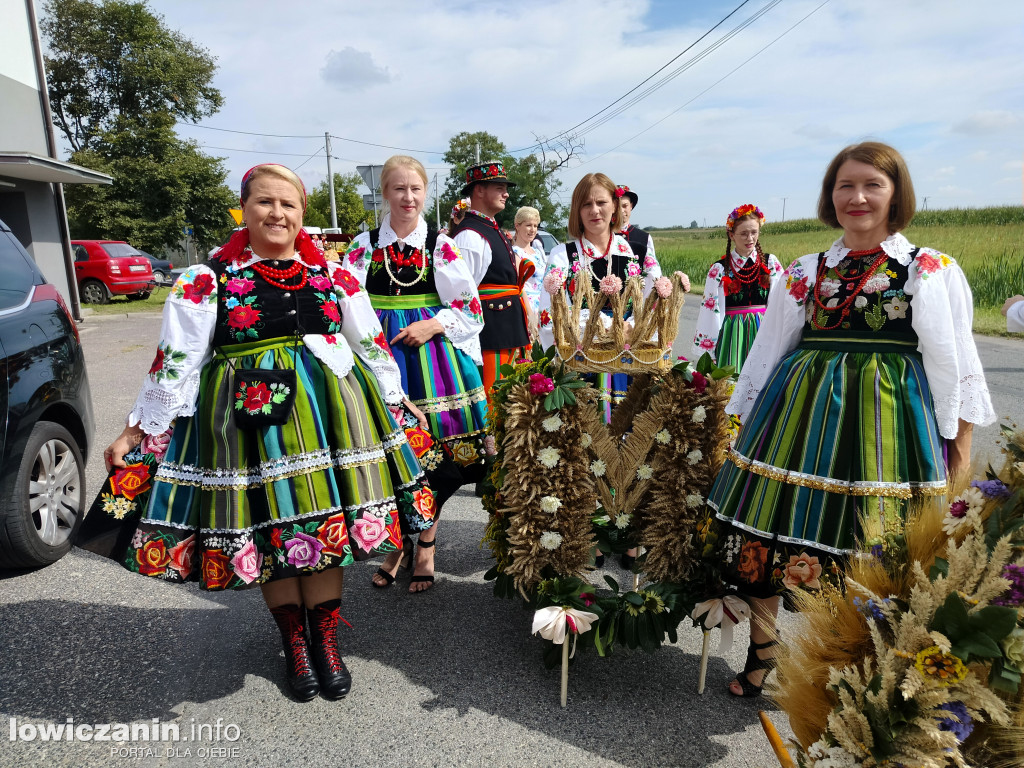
x: 694, y: 456
x: 550, y: 504
x: 826, y: 756
x: 699, y: 414
x: 644, y: 472
x: 549, y: 457
x: 550, y: 540
x: 598, y: 467
x: 552, y: 423
x: 663, y: 437
x: 586, y: 440
x: 860, y: 302
x: 964, y: 510
x: 622, y: 521
x: 694, y: 500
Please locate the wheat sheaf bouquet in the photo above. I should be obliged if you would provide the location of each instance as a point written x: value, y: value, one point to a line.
x: 918, y: 662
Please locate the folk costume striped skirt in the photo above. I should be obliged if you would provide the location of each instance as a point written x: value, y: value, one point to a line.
x: 838, y: 441
x: 440, y: 379
x: 231, y: 507
x: 739, y: 328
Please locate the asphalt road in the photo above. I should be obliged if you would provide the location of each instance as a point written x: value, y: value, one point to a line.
x: 448, y: 677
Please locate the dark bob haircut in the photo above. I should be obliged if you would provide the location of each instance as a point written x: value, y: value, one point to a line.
x: 885, y: 159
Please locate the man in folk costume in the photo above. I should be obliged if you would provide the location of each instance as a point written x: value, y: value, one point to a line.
x: 488, y: 252
x: 641, y: 243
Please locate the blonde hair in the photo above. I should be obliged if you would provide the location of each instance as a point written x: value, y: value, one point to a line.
x: 278, y: 171
x: 527, y: 212
x: 579, y: 197
x: 395, y: 162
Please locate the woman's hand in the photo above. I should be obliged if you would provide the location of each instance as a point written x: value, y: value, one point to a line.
x: 415, y: 412
x: 958, y: 450
x: 419, y: 333
x: 129, y: 438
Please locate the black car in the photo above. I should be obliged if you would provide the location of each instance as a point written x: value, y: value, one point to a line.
x: 161, y: 268
x: 46, y: 420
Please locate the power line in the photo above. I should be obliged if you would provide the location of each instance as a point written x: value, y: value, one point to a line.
x: 255, y: 151
x: 724, y: 77
x: 634, y: 88
x: 312, y: 136
x: 296, y: 168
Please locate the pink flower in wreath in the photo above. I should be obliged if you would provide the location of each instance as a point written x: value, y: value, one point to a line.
x: 247, y: 562
x: 611, y: 284
x: 540, y: 384
x: 802, y: 570
x: 684, y: 279
x: 369, y: 532
x: 553, y: 281
x: 303, y: 550
x: 663, y: 286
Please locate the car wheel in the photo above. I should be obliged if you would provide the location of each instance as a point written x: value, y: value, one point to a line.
x: 160, y: 277
x: 43, y: 500
x: 94, y: 292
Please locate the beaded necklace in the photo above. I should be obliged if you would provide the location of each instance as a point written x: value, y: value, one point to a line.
x: 277, y: 276
x: 592, y: 258
x: 860, y: 278
x: 405, y: 261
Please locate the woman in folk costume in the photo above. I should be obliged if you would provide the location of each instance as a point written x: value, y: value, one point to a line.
x: 860, y: 393
x: 595, y: 253
x: 640, y: 241
x: 285, y: 462
x: 736, y: 292
x: 427, y: 303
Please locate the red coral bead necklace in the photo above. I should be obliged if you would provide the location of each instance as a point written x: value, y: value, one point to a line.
x: 860, y: 278
x: 277, y: 276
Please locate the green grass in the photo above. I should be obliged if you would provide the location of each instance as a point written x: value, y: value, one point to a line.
x: 119, y: 305
x: 988, y: 243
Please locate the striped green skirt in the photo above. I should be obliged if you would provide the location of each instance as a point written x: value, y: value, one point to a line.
x: 837, y: 442
x: 739, y: 328
x: 334, y: 484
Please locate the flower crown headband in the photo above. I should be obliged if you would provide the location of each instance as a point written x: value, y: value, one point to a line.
x: 460, y: 208
x: 744, y: 210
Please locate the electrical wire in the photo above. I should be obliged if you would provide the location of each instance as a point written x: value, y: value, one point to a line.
x: 710, y: 87
x: 313, y: 136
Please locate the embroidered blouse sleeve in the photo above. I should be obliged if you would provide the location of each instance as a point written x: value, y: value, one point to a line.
x: 1015, y: 318
x: 775, y: 269
x: 357, y: 258
x: 558, y: 265
x: 186, y: 345
x: 475, y: 251
x: 362, y: 331
x: 462, y: 316
x: 651, y: 266
x: 780, y: 332
x: 942, y: 314
x: 709, y: 319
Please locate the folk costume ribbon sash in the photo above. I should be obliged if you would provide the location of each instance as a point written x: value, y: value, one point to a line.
x: 490, y: 291
x: 412, y: 301
x: 753, y: 308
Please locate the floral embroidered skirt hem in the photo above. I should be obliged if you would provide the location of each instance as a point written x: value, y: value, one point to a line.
x: 736, y: 338
x: 230, y: 508
x: 835, y: 445
x: 444, y: 383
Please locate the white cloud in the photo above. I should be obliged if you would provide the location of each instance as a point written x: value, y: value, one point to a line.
x: 352, y: 70
x: 990, y: 122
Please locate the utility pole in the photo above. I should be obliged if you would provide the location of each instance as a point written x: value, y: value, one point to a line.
x: 437, y: 203
x: 926, y: 203
x: 783, y: 209
x: 330, y: 182
x: 478, y: 153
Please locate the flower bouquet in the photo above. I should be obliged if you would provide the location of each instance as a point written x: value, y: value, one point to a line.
x: 918, y: 662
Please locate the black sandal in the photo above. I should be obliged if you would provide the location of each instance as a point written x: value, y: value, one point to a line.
x: 389, y: 578
x: 753, y: 664
x: 423, y: 579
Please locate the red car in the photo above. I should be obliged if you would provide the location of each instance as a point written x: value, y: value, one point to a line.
x: 106, y: 268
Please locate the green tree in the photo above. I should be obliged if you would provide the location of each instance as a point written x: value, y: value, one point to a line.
x: 533, y: 175
x: 348, y: 203
x: 161, y: 185
x: 114, y: 59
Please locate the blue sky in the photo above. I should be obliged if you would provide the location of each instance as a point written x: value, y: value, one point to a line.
x: 943, y: 81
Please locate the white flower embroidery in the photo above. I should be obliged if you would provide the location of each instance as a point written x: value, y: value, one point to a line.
x: 896, y: 309
x: 828, y: 287
x: 876, y: 283
x: 860, y: 302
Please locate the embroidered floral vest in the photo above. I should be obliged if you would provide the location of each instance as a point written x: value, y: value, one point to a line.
x: 746, y: 294
x: 619, y: 262
x: 881, y: 309
x: 379, y: 282
x: 251, y: 309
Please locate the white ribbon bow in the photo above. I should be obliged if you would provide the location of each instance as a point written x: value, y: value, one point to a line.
x: 552, y: 622
x: 725, y: 611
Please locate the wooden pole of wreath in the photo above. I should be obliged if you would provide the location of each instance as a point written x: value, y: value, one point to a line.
x: 565, y: 671
x: 704, y: 651
x: 778, y: 746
